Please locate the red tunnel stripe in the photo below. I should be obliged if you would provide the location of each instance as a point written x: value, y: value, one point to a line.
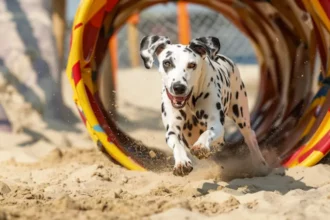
x: 70, y: 43
x: 76, y: 73
x: 110, y: 5
x: 97, y: 19
x: 326, y: 7
x: 82, y: 116
x: 78, y: 25
x: 323, y: 146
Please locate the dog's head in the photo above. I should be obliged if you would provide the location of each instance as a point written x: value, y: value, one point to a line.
x: 180, y: 65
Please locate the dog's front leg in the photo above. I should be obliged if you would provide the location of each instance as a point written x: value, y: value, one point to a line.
x: 202, y: 148
x: 183, y: 165
x: 173, y: 122
x: 214, y: 133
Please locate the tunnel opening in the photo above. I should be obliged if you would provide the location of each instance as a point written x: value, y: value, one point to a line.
x: 281, y: 35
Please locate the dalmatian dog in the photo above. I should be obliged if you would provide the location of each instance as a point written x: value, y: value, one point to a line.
x: 199, y: 88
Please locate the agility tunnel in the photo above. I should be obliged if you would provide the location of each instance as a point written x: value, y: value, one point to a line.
x: 291, y: 40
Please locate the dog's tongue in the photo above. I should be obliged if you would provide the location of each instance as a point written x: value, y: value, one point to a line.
x: 179, y: 99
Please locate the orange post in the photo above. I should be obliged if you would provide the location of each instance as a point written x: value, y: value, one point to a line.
x: 183, y: 23
x: 113, y: 48
x: 133, y: 40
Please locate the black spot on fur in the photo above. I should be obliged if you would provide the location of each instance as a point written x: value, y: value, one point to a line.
x: 228, y: 61
x: 220, y: 74
x: 201, y: 123
x: 189, y: 134
x: 245, y: 93
x: 179, y: 137
x: 166, y: 139
x: 210, y: 62
x: 205, y: 116
x: 222, y: 117
x: 198, y: 115
x: 178, y: 127
x: 242, y: 111
x: 212, y: 128
x: 211, y: 79
x: 227, y: 82
x: 184, y: 126
x: 183, y: 114
x: 195, y: 120
x: 225, y: 101
x: 168, y: 53
x: 237, y: 94
x: 154, y: 38
x: 218, y: 105
x: 189, y: 125
x: 167, y: 127
x: 179, y: 118
x: 201, y: 132
x: 235, y: 110
x: 185, y: 141
x: 195, y: 99
x: 206, y: 95
x: 170, y: 133
x: 184, y: 79
x: 162, y: 107
x: 240, y: 125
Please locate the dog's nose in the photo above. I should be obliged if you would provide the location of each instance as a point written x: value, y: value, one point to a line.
x: 179, y: 88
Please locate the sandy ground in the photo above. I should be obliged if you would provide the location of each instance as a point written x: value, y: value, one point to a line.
x: 57, y: 173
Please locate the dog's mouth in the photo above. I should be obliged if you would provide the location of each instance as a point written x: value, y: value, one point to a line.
x: 178, y: 101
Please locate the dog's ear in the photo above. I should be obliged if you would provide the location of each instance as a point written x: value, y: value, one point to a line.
x: 206, y: 45
x: 151, y: 45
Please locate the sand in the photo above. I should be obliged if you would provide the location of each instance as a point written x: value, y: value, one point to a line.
x: 49, y: 173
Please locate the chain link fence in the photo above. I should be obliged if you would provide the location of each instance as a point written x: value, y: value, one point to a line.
x: 162, y: 20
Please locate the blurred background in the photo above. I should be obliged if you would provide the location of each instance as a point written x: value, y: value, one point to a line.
x: 163, y: 20
x: 36, y: 98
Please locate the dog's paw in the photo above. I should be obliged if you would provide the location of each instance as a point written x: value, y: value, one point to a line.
x: 200, y: 151
x: 183, y: 168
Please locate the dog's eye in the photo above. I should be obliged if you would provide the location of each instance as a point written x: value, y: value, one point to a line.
x: 191, y: 65
x: 166, y: 64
